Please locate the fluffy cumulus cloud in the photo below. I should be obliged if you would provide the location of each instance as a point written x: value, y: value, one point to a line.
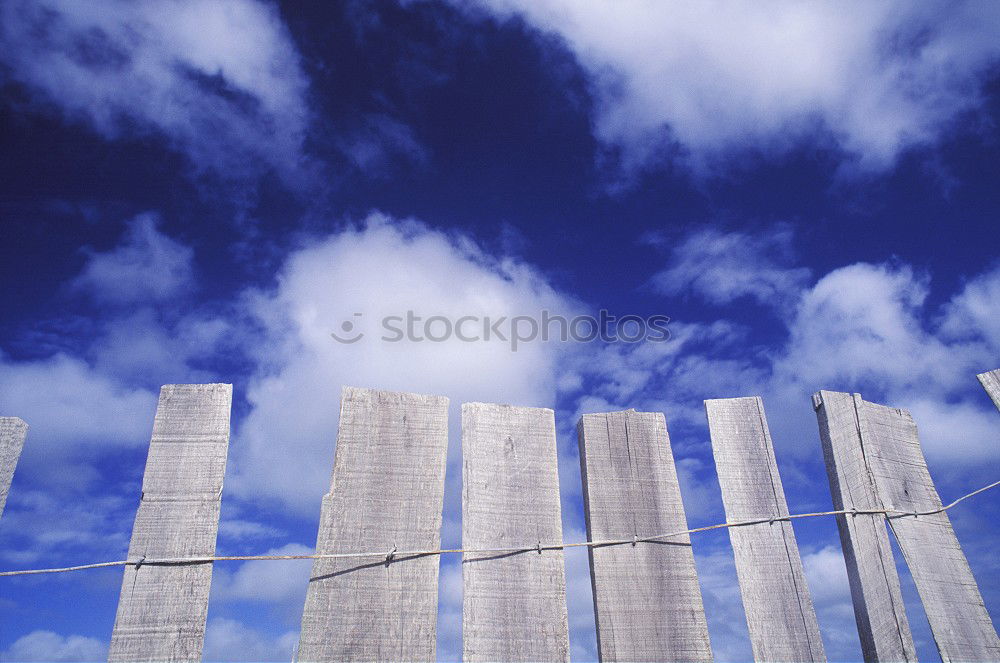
x: 67, y: 403
x: 48, y: 646
x: 862, y: 327
x: 231, y: 640
x: 147, y: 266
x: 221, y: 81
x: 722, y: 267
x: 826, y: 574
x: 871, y: 79
x: 348, y: 285
x: 275, y: 582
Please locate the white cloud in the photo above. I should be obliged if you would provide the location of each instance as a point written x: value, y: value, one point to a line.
x: 727, y: 626
x: 973, y: 315
x: 284, y: 449
x: 861, y: 328
x: 48, y: 646
x: 861, y: 322
x: 267, y: 580
x: 66, y: 402
x: 221, y: 81
x: 42, y: 527
x: 826, y: 574
x: 231, y: 640
x: 146, y: 267
x: 871, y: 78
x: 723, y: 267
x: 238, y: 529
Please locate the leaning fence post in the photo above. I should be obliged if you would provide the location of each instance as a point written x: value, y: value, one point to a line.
x: 878, y: 602
x: 514, y: 602
x: 776, y: 599
x: 12, y: 433
x: 991, y: 383
x: 386, y: 494
x: 647, y: 603
x: 163, y: 607
x: 888, y: 442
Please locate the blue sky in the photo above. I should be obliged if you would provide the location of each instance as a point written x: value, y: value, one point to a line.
x: 204, y: 191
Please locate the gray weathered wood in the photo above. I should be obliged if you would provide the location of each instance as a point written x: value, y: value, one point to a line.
x: 162, y: 608
x: 776, y: 599
x: 387, y: 492
x: 878, y: 603
x: 12, y: 433
x: 647, y: 603
x: 991, y: 383
x: 514, y: 603
x: 955, y: 611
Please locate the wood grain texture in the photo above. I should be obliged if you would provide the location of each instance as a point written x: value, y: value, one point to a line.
x: 959, y: 622
x: 387, y: 492
x: 776, y: 599
x: 647, y: 603
x: 991, y: 383
x: 878, y: 603
x: 514, y: 604
x: 162, y: 608
x: 12, y: 433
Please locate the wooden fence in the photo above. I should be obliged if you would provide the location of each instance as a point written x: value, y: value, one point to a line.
x: 387, y: 491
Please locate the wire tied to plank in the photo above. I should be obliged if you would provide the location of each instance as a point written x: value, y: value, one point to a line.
x: 390, y: 556
x: 854, y: 511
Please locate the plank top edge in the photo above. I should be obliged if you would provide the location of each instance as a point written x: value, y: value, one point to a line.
x: 985, y: 374
x: 734, y: 398
x: 476, y: 405
x: 15, y: 421
x: 631, y: 410
x: 818, y: 401
x: 818, y: 397
x: 348, y: 392
x: 207, y: 386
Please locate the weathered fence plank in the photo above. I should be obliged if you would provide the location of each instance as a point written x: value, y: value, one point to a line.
x: 958, y: 619
x: 647, y: 603
x: 878, y: 603
x: 12, y: 433
x: 514, y: 603
x: 162, y: 608
x: 779, y: 609
x: 991, y: 383
x: 386, y: 493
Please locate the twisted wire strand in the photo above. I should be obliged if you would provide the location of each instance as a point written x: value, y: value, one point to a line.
x: 395, y: 555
